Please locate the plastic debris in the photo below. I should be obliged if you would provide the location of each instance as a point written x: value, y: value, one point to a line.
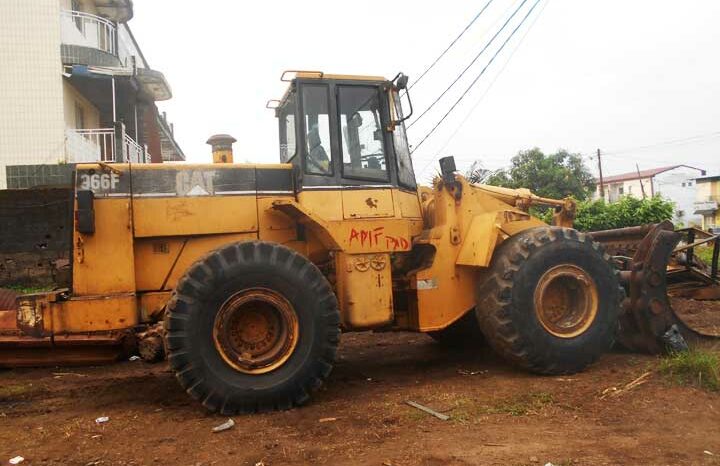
x: 441, y: 416
x: 134, y: 358
x: 102, y: 420
x: 17, y: 460
x: 227, y: 425
x: 328, y: 419
x: 674, y: 340
x: 708, y: 452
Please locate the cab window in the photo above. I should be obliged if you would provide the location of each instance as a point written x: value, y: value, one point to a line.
x: 361, y: 134
x: 317, y: 129
x: 286, y: 115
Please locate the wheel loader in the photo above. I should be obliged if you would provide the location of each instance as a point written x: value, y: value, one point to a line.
x: 246, y: 275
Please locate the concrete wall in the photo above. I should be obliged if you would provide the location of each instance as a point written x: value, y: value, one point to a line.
x: 36, y: 238
x: 31, y: 121
x: 678, y: 185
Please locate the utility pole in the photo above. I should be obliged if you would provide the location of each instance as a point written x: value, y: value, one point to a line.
x: 642, y: 186
x: 602, y: 186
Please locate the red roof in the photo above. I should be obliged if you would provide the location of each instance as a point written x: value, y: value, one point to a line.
x: 644, y: 174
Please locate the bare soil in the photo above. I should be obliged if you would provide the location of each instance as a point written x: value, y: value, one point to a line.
x: 702, y: 316
x: 499, y: 415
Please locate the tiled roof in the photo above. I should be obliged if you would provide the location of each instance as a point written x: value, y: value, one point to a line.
x: 644, y: 174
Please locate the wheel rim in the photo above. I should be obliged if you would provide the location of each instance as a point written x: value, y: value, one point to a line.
x: 566, y: 301
x: 256, y: 330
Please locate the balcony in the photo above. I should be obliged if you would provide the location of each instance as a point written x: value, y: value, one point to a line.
x: 705, y: 207
x: 101, y: 145
x: 88, y: 39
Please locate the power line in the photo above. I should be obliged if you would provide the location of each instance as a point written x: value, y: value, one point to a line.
x: 482, y: 97
x: 451, y: 45
x: 462, y: 73
x: 462, y: 96
x: 691, y: 139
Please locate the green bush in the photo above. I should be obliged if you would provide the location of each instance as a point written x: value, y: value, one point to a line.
x: 696, y: 367
x: 627, y: 212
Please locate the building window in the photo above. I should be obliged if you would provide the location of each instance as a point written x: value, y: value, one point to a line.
x: 621, y: 190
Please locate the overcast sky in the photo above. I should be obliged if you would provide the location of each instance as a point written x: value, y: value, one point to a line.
x: 617, y: 75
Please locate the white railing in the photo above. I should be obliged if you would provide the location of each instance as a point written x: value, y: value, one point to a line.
x: 706, y: 205
x: 88, y: 30
x: 133, y: 152
x: 98, y: 145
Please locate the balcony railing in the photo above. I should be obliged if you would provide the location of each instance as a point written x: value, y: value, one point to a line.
x: 99, y: 145
x: 88, y: 30
x: 706, y: 206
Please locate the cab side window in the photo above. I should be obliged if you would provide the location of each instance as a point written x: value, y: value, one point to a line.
x: 361, y: 133
x: 317, y: 129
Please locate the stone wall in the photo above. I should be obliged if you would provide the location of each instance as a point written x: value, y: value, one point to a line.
x: 36, y: 237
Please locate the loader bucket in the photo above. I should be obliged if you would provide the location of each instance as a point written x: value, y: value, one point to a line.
x: 649, y: 260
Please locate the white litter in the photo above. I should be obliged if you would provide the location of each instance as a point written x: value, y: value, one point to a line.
x: 134, y: 358
x: 102, y: 420
x: 17, y: 460
x: 224, y: 426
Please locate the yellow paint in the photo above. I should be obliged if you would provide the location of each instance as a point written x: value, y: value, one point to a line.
x: 367, y: 203
x: 364, y: 289
x: 151, y: 305
x: 222, y: 156
x: 196, y: 248
x: 408, y: 203
x: 479, y: 243
x: 173, y: 216
x: 103, y: 261
x: 324, y: 204
x: 94, y: 313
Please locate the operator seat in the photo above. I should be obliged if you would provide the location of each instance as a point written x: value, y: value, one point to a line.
x: 317, y: 157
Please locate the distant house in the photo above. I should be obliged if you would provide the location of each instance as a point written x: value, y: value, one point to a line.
x: 706, y: 203
x: 675, y: 182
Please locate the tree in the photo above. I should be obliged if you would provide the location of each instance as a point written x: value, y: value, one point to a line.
x: 557, y: 175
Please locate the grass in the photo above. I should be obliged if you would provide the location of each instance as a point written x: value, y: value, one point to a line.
x: 466, y: 409
x: 15, y: 390
x: 704, y: 253
x: 21, y: 289
x: 697, y: 367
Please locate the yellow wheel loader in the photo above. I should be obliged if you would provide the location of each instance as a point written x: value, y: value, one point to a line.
x: 255, y: 270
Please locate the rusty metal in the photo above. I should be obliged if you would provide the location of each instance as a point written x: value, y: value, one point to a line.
x: 566, y: 301
x: 7, y: 299
x: 151, y: 345
x: 647, y: 313
x: 18, y: 350
x: 256, y: 330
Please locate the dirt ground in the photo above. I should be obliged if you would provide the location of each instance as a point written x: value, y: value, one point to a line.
x: 499, y: 415
x: 703, y: 316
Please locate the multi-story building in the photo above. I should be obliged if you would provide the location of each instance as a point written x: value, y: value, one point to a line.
x: 75, y: 87
x: 675, y: 183
x: 708, y: 197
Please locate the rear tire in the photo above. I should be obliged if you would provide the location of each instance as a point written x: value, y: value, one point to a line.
x: 550, y: 300
x: 252, y: 327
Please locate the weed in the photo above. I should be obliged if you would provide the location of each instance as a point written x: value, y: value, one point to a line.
x: 21, y: 289
x: 16, y: 390
x: 696, y: 367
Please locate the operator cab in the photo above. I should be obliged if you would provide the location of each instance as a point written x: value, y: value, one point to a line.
x: 344, y: 131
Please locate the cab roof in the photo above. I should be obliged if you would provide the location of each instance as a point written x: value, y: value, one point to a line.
x: 306, y: 74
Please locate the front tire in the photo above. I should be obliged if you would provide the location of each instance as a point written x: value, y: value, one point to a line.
x: 252, y: 327
x: 550, y: 300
